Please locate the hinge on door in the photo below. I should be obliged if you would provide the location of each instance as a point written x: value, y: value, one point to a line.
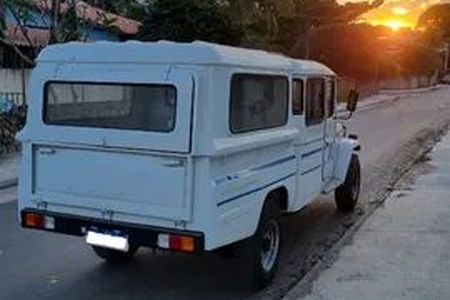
x: 41, y: 205
x: 180, y: 223
x: 107, y: 215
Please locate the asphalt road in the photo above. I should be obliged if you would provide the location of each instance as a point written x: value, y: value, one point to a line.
x: 37, y: 265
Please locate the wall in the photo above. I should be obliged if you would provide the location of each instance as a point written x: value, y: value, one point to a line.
x: 35, y: 19
x: 11, y: 80
x: 345, y: 85
x: 100, y: 34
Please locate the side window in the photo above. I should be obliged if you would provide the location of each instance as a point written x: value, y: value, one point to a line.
x: 330, y: 95
x: 315, y: 101
x: 258, y: 102
x: 297, y: 97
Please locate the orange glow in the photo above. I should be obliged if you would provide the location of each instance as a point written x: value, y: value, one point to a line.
x: 396, y: 14
x: 400, y: 11
x: 394, y: 24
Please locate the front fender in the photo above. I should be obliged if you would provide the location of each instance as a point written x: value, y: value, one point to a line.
x: 344, y: 150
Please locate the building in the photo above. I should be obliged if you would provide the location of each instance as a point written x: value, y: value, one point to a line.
x: 98, y: 25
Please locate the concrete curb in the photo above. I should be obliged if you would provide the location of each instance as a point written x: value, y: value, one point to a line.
x: 412, y: 91
x: 369, y: 104
x: 4, y: 184
x: 389, y: 95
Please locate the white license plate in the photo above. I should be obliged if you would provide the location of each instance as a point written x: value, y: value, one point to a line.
x: 107, y: 240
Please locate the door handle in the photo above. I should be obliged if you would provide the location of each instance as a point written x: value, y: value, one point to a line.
x: 47, y: 151
x: 174, y: 164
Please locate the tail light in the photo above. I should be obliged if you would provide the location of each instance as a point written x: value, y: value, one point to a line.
x: 176, y: 242
x: 34, y: 220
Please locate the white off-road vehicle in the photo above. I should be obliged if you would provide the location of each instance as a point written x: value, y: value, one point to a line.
x: 185, y: 147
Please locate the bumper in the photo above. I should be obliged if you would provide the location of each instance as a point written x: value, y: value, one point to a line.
x: 142, y: 235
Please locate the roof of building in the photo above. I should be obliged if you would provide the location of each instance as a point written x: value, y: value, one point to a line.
x: 95, y: 16
x: 37, y: 37
x: 176, y: 53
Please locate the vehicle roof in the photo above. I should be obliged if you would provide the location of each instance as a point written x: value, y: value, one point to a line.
x: 195, y: 53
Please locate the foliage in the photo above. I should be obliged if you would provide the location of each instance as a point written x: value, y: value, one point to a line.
x: 370, y: 53
x: 278, y: 25
x: 348, y: 49
x: 313, y: 14
x: 435, y: 22
x: 189, y: 20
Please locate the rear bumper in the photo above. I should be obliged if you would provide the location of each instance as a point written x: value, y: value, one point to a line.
x: 142, y: 235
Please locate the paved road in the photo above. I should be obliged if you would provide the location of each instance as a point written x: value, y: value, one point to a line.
x: 37, y: 265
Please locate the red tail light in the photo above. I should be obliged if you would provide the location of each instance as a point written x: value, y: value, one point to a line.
x: 34, y: 220
x: 176, y: 242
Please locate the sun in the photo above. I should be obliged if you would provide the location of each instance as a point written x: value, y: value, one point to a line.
x: 396, y: 25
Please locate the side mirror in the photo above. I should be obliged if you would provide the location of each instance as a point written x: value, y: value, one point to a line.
x: 352, y: 101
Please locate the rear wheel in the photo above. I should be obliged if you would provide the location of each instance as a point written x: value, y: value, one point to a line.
x: 115, y: 256
x: 263, y: 249
x: 346, y: 195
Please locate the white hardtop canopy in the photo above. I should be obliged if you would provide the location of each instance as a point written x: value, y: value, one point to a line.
x: 195, y: 53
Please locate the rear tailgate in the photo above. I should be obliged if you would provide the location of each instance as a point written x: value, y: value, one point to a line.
x: 112, y: 181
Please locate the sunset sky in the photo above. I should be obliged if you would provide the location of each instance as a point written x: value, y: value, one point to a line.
x: 398, y: 13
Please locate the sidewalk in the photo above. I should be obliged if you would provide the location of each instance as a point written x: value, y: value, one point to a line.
x: 9, y: 167
x: 402, y: 251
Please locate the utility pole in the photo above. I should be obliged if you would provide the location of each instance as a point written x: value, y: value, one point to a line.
x: 447, y: 57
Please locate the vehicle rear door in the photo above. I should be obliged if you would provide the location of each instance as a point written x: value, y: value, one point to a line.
x: 92, y: 153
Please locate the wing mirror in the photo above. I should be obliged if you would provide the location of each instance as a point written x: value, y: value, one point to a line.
x: 352, y: 101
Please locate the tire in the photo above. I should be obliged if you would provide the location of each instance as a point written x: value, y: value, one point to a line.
x: 346, y: 195
x: 115, y: 256
x: 264, y: 247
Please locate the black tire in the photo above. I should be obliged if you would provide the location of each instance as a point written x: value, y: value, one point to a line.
x: 115, y: 256
x: 346, y: 195
x: 262, y: 251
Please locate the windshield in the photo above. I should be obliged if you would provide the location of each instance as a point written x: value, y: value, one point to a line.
x: 111, y: 105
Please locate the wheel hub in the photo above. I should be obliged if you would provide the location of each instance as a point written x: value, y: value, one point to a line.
x: 270, y: 245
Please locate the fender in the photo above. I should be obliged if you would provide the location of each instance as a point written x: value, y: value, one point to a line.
x: 344, y: 150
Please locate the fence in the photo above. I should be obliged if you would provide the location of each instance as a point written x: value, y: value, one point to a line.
x: 345, y: 85
x: 12, y: 119
x: 17, y: 98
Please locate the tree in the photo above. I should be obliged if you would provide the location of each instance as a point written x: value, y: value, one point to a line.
x: 189, y: 20
x: 59, y: 16
x: 435, y: 22
x: 312, y: 14
x: 284, y: 25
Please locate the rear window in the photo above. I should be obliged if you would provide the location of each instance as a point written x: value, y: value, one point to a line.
x: 110, y: 105
x: 258, y: 102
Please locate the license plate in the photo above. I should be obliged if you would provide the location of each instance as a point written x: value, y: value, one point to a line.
x: 108, y: 239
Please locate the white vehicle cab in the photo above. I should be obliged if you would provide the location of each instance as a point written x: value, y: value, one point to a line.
x: 186, y: 147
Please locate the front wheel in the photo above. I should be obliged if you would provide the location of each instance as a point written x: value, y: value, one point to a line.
x: 346, y: 195
x: 263, y: 249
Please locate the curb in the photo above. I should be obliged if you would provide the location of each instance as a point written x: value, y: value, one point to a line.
x: 389, y: 92
x: 8, y: 183
x: 391, y: 95
x: 367, y: 105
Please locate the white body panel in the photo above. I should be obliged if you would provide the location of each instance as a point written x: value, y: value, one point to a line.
x: 199, y: 177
